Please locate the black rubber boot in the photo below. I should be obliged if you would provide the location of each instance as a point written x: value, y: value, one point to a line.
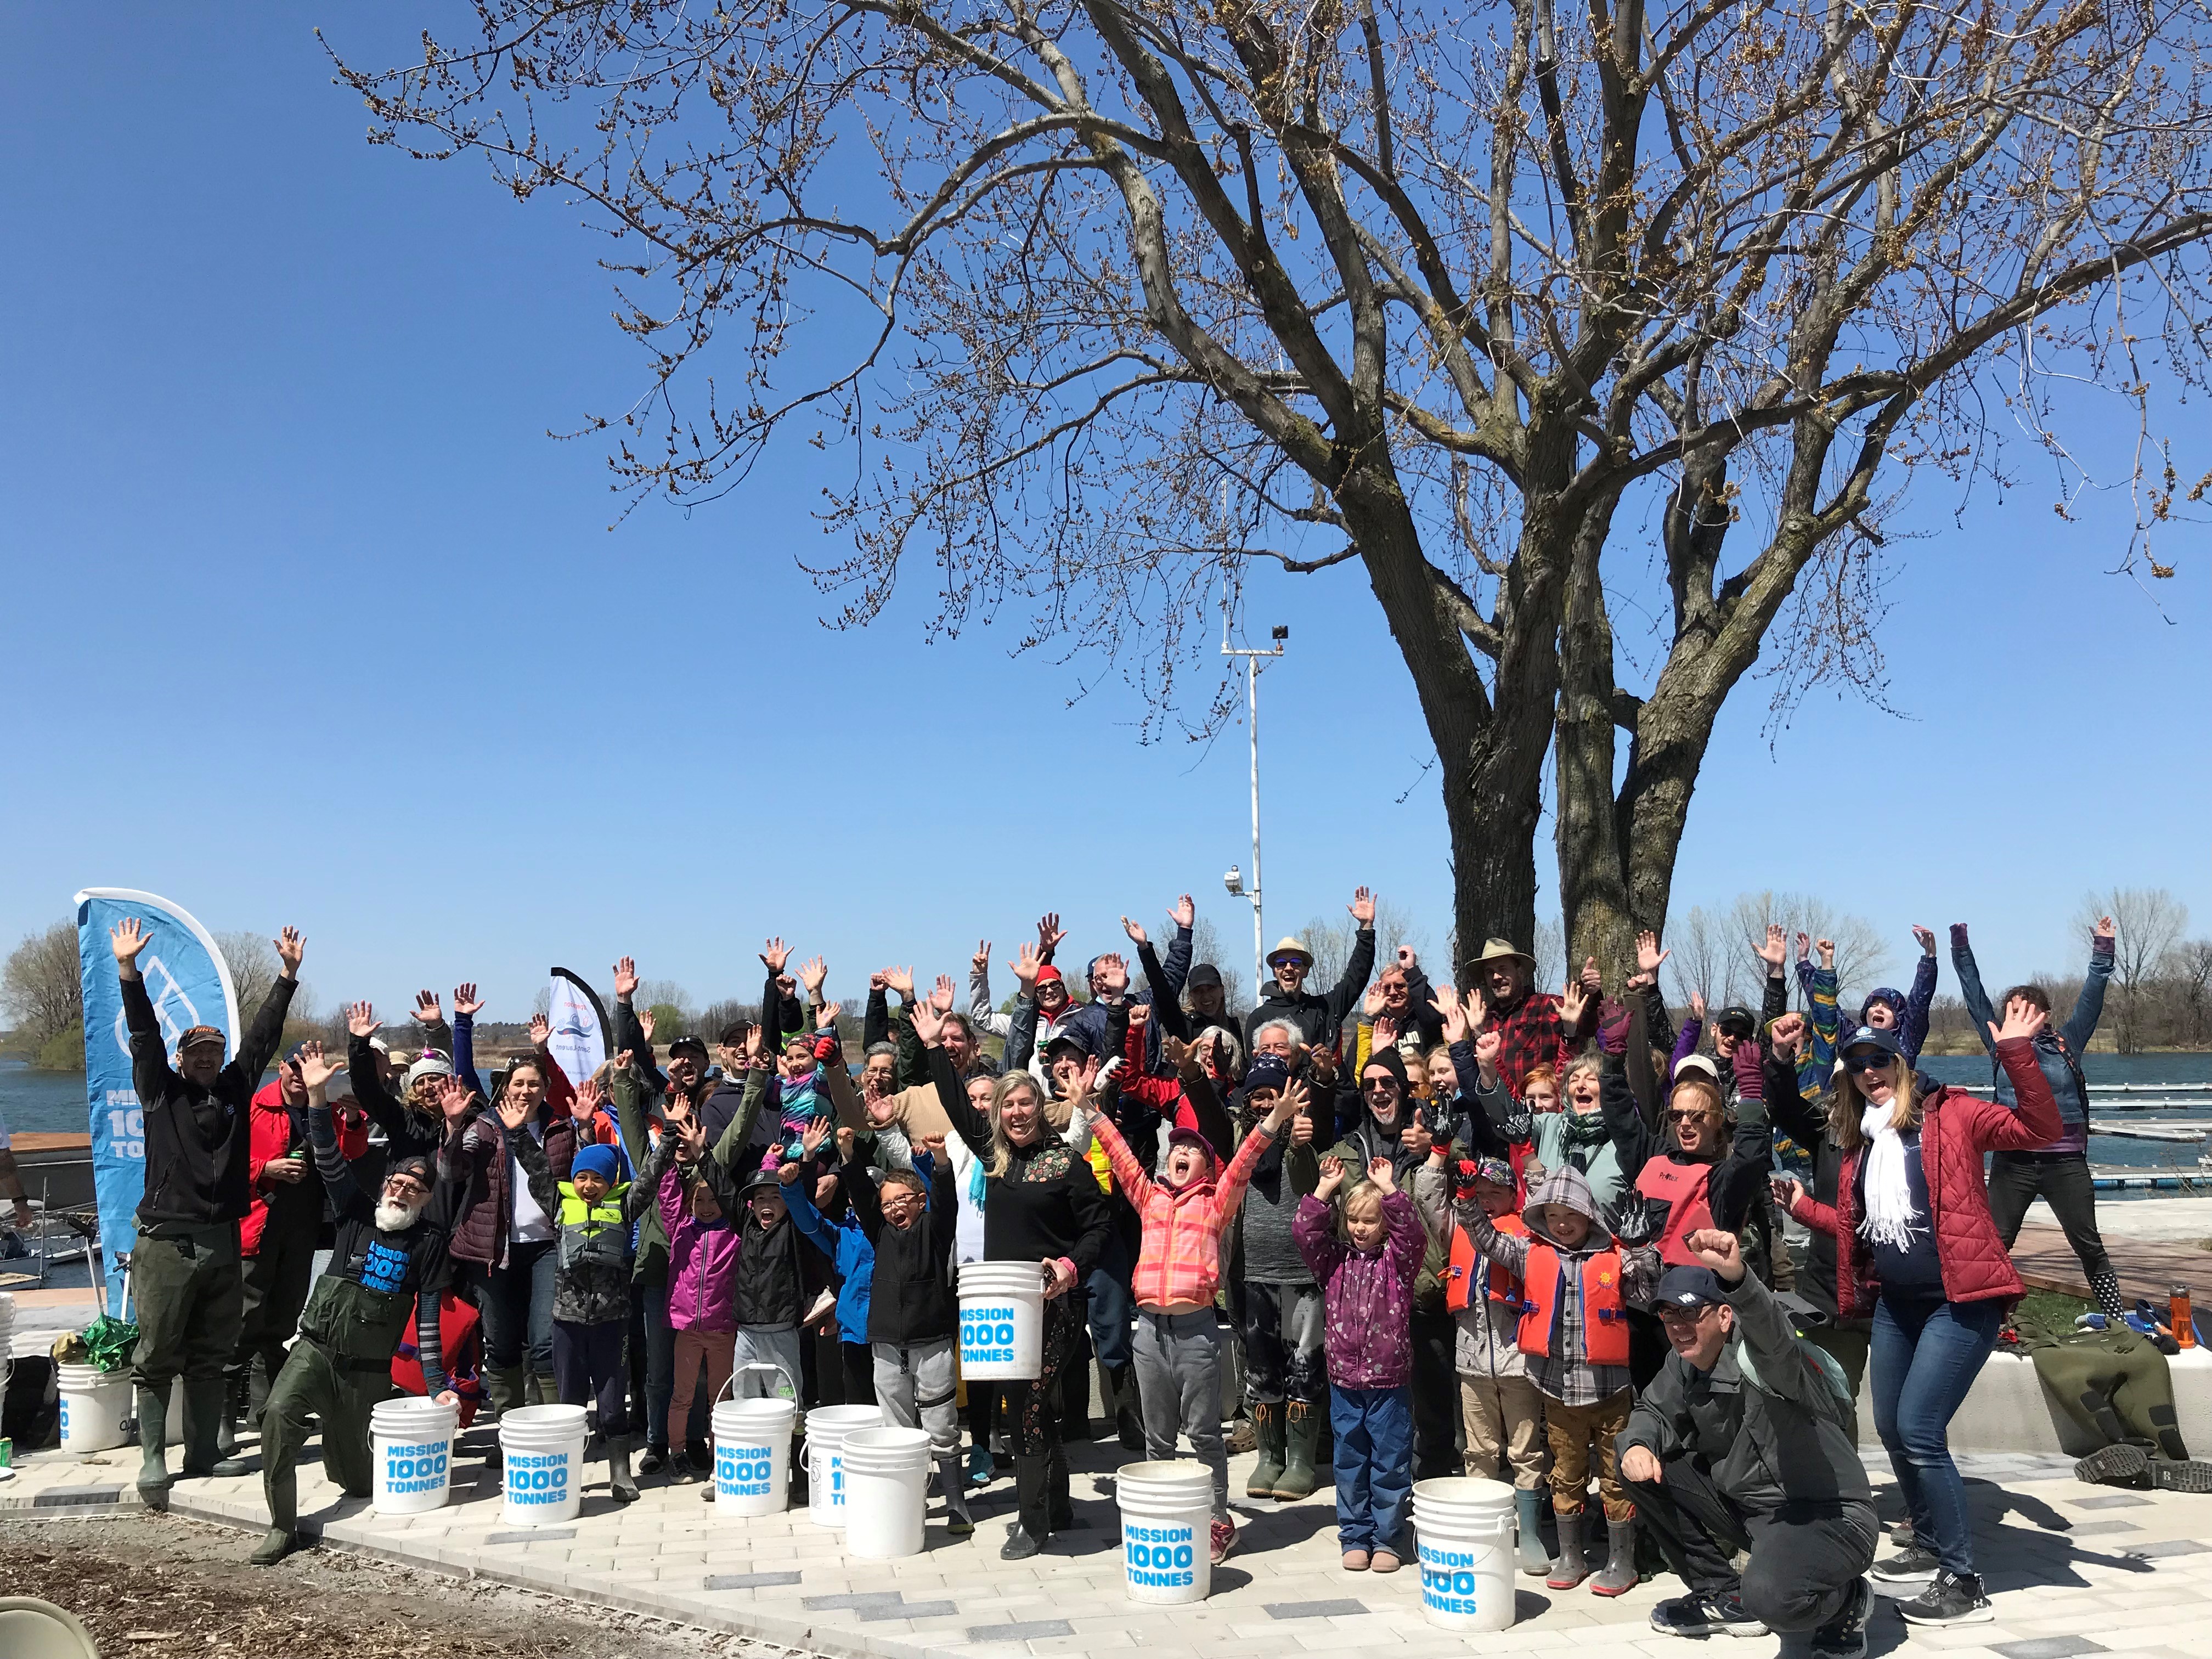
x: 1060, y: 1508
x: 234, y: 1385
x: 1570, y: 1569
x: 1618, y: 1576
x: 203, y: 1404
x: 1128, y: 1407
x: 1031, y: 1525
x: 952, y: 1482
x: 153, y: 1409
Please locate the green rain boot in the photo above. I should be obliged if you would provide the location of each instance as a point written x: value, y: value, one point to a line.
x: 1528, y: 1510
x: 207, y: 1401
x: 153, y: 1409
x: 542, y: 1390
x: 1302, y: 1441
x: 1272, y: 1433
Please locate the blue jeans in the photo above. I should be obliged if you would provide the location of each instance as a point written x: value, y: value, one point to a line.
x: 1112, y: 1306
x: 1924, y: 1356
x: 1374, y: 1430
x: 516, y: 1302
x: 659, y: 1363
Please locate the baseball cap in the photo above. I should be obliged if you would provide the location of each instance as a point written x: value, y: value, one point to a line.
x: 1192, y: 1138
x: 1206, y: 974
x: 688, y: 1044
x: 1687, y: 1286
x: 1871, y: 1037
x: 1698, y: 1063
x: 198, y: 1034
x: 1736, y: 1020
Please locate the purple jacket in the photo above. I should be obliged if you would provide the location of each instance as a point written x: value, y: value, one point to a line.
x: 1367, y: 1301
x: 703, y: 1264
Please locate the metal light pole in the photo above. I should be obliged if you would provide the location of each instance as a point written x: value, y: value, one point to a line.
x: 1234, y: 880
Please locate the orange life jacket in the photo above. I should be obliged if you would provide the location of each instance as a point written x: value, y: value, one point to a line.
x: 1605, y: 1321
x: 1682, y: 1187
x: 1499, y: 1284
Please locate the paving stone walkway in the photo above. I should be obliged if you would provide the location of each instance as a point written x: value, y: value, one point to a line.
x: 2073, y: 1570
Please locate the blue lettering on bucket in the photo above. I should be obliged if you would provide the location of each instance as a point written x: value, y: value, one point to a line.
x: 414, y: 1469
x: 537, y: 1479
x: 744, y: 1471
x: 986, y: 1335
x: 1448, y: 1582
x: 1160, y: 1557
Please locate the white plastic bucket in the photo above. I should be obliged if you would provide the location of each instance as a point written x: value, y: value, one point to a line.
x: 1001, y: 1320
x: 752, y: 1455
x: 886, y: 1485
x: 541, y: 1454
x: 1465, y: 1532
x: 412, y: 1442
x: 826, y: 1429
x: 94, y: 1402
x: 1167, y: 1530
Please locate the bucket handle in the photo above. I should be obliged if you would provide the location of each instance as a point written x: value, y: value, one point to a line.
x: 731, y: 1382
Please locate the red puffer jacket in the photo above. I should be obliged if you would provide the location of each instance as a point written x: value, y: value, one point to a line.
x: 1955, y: 1129
x: 269, y: 1138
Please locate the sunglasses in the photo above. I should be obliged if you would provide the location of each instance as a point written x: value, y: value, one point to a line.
x: 1696, y: 1113
x: 1379, y: 1083
x: 1876, y: 1061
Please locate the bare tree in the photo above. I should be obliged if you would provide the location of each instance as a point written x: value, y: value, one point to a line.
x: 254, y: 966
x: 2189, y: 970
x: 1549, y: 947
x: 1141, y: 296
x: 2147, y: 922
x: 1860, y: 952
x: 1704, y: 956
x: 41, y: 987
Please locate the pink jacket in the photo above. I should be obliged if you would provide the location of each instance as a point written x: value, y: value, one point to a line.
x: 702, y: 1263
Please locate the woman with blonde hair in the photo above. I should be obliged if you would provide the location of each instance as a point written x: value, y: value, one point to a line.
x: 1040, y: 1204
x: 1915, y: 1244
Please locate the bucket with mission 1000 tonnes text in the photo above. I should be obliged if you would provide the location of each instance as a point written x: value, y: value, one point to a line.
x: 752, y: 1446
x: 1465, y: 1528
x: 1167, y: 1523
x: 826, y: 1429
x: 541, y: 1454
x: 1001, y: 1320
x: 411, y: 1444
x: 94, y: 1402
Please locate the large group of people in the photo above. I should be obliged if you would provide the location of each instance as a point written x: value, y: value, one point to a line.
x: 1477, y: 1227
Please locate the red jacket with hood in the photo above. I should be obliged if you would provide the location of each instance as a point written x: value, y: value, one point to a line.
x: 269, y: 1138
x: 1955, y: 1129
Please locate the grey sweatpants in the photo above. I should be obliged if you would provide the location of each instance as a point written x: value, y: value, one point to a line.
x: 1178, y: 1359
x: 917, y: 1388
x: 762, y: 1346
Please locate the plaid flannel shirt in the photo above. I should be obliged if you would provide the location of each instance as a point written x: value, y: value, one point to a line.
x: 1533, y: 1033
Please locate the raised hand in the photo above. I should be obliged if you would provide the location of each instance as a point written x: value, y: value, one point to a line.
x: 1077, y: 1083
x: 690, y: 1140
x: 940, y: 998
x: 902, y: 980
x: 1477, y: 1007
x: 2022, y: 1018
x: 455, y: 1098
x: 290, y: 947
x: 928, y: 1023
x: 1332, y: 1177
x: 1593, y: 982
x: 1719, y: 1251
x: 514, y: 1111
x: 646, y: 1022
x: 1927, y: 937
x: 589, y: 1097
x: 1804, y: 945
x: 1049, y: 932
x: 2105, y: 936
x: 1370, y: 1004
x: 1775, y: 949
x: 1362, y: 906
x: 541, y: 1030
x: 1380, y: 1172
x: 1572, y: 1001
x: 1135, y: 929
x: 881, y: 1110
x: 1648, y: 956
x: 1183, y: 912
x: 361, y: 1020
x: 625, y: 979
x: 1488, y: 1045
x: 466, y: 1000
x: 812, y: 1136
x: 1026, y: 965
x: 1174, y: 1051
x: 127, y: 938
x: 1786, y: 1034
x: 1827, y: 947
x: 1447, y: 1005
x: 315, y: 1070
x: 877, y: 983
x: 980, y: 962
x: 812, y: 973
x: 775, y: 954
x: 1288, y: 1105
x: 1113, y: 974
x: 1786, y: 1190
x: 426, y: 1011
x: 1407, y: 961
x: 1386, y: 1033
x: 1140, y: 1015
x: 789, y: 1173
x: 1697, y: 1007
x: 844, y: 1144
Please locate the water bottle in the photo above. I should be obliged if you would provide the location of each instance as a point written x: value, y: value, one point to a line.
x: 2184, y: 1328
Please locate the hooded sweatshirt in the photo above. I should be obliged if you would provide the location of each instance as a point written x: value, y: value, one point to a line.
x: 1566, y: 1374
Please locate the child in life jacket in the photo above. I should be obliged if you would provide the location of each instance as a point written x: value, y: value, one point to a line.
x: 1576, y: 1285
x: 1499, y: 1405
x: 593, y: 1212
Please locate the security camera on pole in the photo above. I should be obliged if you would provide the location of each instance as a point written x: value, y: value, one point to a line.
x: 1234, y: 880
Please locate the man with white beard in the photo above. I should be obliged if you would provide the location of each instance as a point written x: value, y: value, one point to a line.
x: 387, y: 1251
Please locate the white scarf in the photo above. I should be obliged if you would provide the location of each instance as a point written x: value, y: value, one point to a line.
x: 1889, y: 1212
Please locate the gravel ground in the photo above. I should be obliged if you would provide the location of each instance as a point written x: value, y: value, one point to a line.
x: 152, y: 1586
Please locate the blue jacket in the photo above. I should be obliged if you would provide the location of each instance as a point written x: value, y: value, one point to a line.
x: 2065, y: 1082
x: 1912, y: 1017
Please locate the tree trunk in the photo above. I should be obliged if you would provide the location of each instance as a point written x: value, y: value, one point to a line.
x: 1593, y: 875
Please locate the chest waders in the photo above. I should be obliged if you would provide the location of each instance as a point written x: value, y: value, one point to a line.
x: 337, y: 1371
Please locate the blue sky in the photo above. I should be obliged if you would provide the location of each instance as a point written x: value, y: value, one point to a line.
x: 308, y: 621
